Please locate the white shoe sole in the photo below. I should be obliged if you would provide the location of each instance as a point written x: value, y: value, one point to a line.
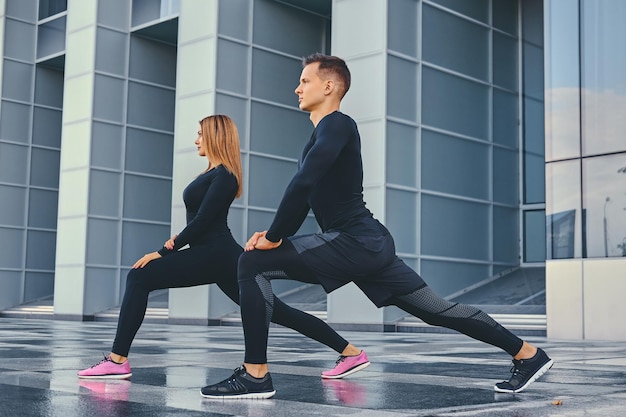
x: 350, y: 372
x: 120, y: 376
x: 532, y: 379
x: 253, y: 396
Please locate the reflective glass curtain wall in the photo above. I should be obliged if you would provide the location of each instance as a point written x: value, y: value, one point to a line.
x: 462, y: 126
x: 585, y: 140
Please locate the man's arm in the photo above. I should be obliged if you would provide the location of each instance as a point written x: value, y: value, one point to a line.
x: 331, y: 136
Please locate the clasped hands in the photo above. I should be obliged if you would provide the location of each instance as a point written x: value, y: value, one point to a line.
x: 258, y: 241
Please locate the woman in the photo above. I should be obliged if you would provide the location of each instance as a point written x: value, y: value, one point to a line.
x: 212, y: 257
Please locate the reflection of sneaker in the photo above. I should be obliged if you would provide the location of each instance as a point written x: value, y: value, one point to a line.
x: 241, y: 385
x: 346, y: 392
x: 524, y: 372
x: 113, y: 390
x: 107, y: 369
x: 347, y: 365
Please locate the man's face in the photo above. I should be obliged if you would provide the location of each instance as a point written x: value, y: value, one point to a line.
x: 311, y: 89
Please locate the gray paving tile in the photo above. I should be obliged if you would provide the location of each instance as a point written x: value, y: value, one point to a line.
x: 434, y: 374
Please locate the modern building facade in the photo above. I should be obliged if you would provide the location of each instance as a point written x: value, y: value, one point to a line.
x: 101, y: 100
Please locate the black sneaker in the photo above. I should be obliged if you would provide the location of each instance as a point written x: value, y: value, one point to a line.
x: 525, y: 372
x: 241, y: 385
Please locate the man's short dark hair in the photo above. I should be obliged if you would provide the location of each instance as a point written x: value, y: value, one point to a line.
x: 329, y: 64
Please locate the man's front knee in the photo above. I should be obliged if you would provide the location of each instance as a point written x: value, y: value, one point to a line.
x: 247, y: 265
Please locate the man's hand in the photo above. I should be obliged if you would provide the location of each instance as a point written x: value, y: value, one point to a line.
x: 258, y: 241
x: 146, y: 259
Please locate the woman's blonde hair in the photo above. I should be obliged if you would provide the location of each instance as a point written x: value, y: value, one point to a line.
x: 221, y: 140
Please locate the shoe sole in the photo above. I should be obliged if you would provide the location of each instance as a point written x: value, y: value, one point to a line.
x: 253, y: 396
x: 532, y: 379
x: 348, y: 372
x: 108, y: 376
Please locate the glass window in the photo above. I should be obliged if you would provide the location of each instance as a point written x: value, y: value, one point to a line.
x: 401, y: 154
x: 454, y: 165
x: 402, y: 88
x: 505, y: 119
x: 505, y: 15
x: 505, y: 61
x: 103, y: 242
x: 402, y: 30
x: 604, y: 205
x: 532, y: 20
x: 104, y: 193
x: 272, y: 20
x: 50, y: 7
x: 562, y: 81
x: 151, y: 106
x: 111, y: 51
x: 268, y: 179
x: 455, y: 43
x: 147, y: 198
x: 17, y: 81
x: 455, y: 104
x: 13, y: 164
x: 106, y: 145
x: 40, y: 249
x: 231, y: 14
x: 11, y: 256
x: 149, y: 152
x: 505, y: 176
x: 604, y: 89
x: 47, y: 127
x: 535, y: 236
x: 51, y: 38
x: 139, y: 238
x: 42, y: 208
x: 275, y: 77
x: 454, y: 228
x: 506, y: 235
x: 402, y: 218
x: 109, y: 99
x: 13, y: 207
x: 563, y: 210
x: 295, y: 130
x: 232, y: 66
x: 48, y: 87
x: 476, y: 9
x: 533, y: 71
x: 534, y: 159
x: 44, y: 167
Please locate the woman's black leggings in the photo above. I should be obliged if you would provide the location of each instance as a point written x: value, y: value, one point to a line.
x: 199, y: 265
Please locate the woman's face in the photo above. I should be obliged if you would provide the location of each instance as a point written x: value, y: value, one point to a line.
x: 200, y: 143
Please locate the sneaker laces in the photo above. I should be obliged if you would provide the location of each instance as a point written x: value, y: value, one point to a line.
x: 340, y: 359
x: 106, y: 359
x: 516, y: 371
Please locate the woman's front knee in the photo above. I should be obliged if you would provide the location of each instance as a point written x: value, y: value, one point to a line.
x: 135, y: 276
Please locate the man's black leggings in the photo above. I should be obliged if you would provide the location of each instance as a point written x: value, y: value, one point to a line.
x: 199, y: 265
x: 257, y: 268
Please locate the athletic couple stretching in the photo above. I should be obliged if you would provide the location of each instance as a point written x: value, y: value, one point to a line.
x: 352, y: 247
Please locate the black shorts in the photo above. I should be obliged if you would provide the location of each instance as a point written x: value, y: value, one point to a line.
x: 338, y: 258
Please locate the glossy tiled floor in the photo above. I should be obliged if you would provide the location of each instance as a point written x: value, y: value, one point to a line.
x: 411, y: 375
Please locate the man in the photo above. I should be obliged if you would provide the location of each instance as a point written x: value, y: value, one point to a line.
x: 353, y: 247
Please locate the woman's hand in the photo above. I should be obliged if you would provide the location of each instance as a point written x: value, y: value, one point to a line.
x: 146, y: 259
x: 170, y: 243
x: 258, y: 241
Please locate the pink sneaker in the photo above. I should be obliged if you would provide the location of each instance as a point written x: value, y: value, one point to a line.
x: 107, y: 369
x: 347, y: 365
